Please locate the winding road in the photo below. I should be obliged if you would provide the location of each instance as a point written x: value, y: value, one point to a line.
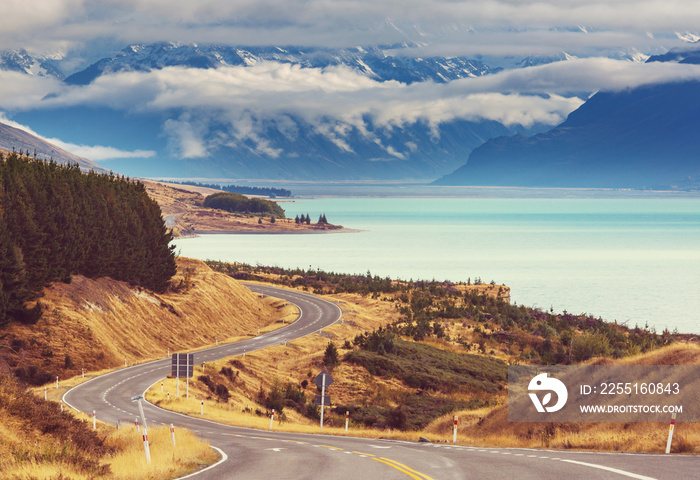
x: 253, y: 454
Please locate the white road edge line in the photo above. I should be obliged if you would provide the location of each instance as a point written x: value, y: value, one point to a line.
x: 224, y: 457
x: 609, y: 469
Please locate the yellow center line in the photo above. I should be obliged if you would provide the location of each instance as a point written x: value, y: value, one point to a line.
x: 368, y: 454
x: 296, y: 441
x: 332, y: 448
x: 405, y: 469
x: 398, y: 468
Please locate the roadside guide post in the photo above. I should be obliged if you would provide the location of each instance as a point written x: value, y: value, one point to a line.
x: 454, y: 433
x: 347, y: 420
x: 670, y: 433
x: 138, y: 399
x: 323, y: 380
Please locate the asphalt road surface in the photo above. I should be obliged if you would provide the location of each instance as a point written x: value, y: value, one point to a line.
x: 253, y: 454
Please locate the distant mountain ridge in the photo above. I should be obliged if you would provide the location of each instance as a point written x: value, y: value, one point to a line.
x: 375, y: 62
x: 411, y: 151
x: 384, y: 153
x: 645, y: 137
x: 14, y: 138
x: 23, y: 62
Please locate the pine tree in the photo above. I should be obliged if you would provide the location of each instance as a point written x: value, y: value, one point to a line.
x: 330, y: 356
x: 56, y: 221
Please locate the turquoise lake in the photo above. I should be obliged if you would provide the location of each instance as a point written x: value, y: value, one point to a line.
x: 633, y: 260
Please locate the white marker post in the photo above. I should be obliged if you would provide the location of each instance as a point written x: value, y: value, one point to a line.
x: 670, y: 433
x: 272, y: 418
x: 168, y: 395
x: 172, y: 433
x: 323, y: 397
x: 125, y: 363
x: 202, y: 407
x: 161, y: 386
x: 347, y: 420
x: 94, y: 420
x: 45, y: 398
x: 83, y: 373
x: 454, y: 433
x: 145, y: 430
x: 56, y: 382
x: 61, y: 405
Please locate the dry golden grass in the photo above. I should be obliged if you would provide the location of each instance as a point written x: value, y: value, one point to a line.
x: 100, y: 323
x: 30, y: 455
x: 495, y: 430
x: 302, y: 360
x: 37, y: 441
x: 167, y: 461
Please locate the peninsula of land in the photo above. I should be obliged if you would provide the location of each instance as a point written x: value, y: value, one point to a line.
x: 184, y: 211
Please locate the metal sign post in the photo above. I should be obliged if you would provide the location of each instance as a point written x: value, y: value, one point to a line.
x: 323, y: 380
x: 182, y: 366
x: 323, y: 397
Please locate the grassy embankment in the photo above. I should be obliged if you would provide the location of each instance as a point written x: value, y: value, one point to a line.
x: 98, y: 324
x: 40, y: 441
x: 387, y: 390
x: 83, y: 326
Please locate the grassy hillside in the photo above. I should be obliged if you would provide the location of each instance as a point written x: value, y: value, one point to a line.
x: 411, y: 355
x: 97, y: 324
x: 491, y: 427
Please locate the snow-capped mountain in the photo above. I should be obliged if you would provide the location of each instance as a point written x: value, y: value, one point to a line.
x: 285, y: 145
x: 21, y: 61
x: 375, y: 62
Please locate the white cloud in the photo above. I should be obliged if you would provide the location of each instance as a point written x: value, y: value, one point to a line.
x: 336, y: 100
x: 98, y: 153
x: 18, y: 90
x: 95, y: 153
x: 469, y: 23
x: 186, y: 137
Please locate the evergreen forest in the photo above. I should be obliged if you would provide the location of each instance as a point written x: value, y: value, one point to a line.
x: 56, y: 221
